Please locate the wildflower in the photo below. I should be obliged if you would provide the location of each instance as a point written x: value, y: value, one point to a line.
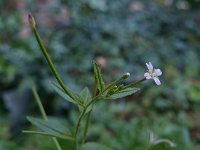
x: 153, y: 73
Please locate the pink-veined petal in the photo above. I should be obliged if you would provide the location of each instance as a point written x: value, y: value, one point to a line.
x: 149, y: 66
x: 158, y: 72
x: 157, y: 81
x: 147, y: 75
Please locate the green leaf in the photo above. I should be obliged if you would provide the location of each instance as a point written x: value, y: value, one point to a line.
x: 98, y: 77
x: 85, y: 94
x: 8, y: 145
x: 85, y: 98
x: 94, y: 146
x: 59, y: 90
x: 123, y: 93
x: 67, y: 144
x: 52, y: 127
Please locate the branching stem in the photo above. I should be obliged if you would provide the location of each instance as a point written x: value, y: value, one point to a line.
x: 82, y: 114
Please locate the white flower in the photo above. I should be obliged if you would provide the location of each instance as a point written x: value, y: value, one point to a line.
x: 153, y: 73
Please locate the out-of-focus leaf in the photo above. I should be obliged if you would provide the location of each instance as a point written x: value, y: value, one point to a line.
x: 123, y: 93
x: 67, y: 144
x: 94, y: 146
x: 85, y: 94
x: 54, y: 127
x: 65, y: 96
x: 5, y: 145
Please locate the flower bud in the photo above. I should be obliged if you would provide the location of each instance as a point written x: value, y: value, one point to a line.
x: 31, y: 21
x: 115, y: 87
x: 126, y: 75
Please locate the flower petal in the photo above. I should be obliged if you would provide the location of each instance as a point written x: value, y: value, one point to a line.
x: 157, y: 81
x: 147, y: 75
x: 149, y: 66
x: 158, y: 72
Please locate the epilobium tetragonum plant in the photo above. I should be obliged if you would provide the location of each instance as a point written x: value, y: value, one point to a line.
x: 74, y: 139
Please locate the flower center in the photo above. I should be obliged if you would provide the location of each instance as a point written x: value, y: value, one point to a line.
x: 152, y: 73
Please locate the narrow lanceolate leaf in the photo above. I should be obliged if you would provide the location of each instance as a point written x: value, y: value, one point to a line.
x: 94, y: 146
x: 53, y: 127
x: 64, y: 95
x: 86, y: 97
x: 48, y: 134
x: 123, y: 93
x: 98, y: 77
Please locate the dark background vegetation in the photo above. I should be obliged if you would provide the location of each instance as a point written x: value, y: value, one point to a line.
x: 121, y: 35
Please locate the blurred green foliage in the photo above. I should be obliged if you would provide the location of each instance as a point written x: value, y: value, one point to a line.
x: 122, y: 36
x: 126, y: 132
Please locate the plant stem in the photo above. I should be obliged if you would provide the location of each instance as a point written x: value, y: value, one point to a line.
x: 79, y: 121
x: 86, y: 126
x: 57, y: 143
x: 89, y: 117
x: 44, y: 115
x: 39, y: 104
x: 51, y: 65
x: 112, y: 84
x: 134, y: 83
x: 82, y: 114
